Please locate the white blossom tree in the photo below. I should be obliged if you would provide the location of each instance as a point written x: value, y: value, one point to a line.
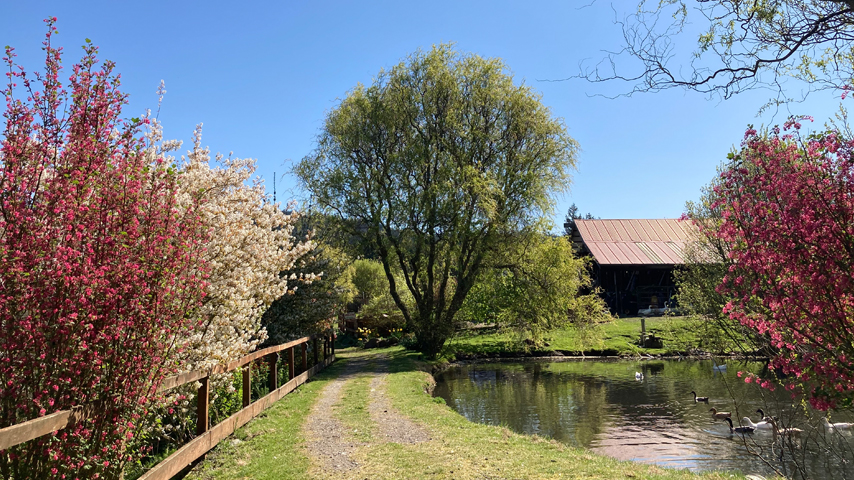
x: 251, y: 244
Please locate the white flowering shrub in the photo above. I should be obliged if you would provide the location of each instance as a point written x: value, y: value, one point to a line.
x: 251, y: 244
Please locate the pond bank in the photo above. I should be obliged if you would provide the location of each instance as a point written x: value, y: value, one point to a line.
x: 278, y: 445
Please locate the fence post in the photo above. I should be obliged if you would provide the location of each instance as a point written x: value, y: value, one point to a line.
x: 202, y: 406
x: 291, y: 366
x: 314, y: 344
x: 643, y: 332
x: 247, y: 394
x: 304, y: 356
x: 273, y: 378
x: 332, y: 341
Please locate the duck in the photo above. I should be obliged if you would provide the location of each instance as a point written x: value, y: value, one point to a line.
x: 738, y: 429
x: 699, y: 399
x: 764, y: 418
x: 638, y: 376
x: 786, y: 432
x: 837, y: 425
x: 762, y: 425
x: 717, y: 414
x: 718, y: 368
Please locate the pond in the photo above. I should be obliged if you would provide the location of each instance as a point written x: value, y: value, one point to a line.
x: 601, y: 405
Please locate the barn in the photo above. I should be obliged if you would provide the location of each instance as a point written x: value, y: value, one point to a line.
x: 633, y: 260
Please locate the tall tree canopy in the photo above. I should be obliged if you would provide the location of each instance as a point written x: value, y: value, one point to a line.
x: 744, y: 44
x: 440, y: 163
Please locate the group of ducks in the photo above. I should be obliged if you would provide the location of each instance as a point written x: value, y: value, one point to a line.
x: 766, y: 422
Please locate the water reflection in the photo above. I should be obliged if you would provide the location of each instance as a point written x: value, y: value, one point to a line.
x: 600, y: 405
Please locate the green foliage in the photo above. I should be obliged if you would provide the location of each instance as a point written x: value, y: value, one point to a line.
x: 368, y: 277
x: 540, y: 291
x: 440, y: 163
x: 378, y: 309
x: 308, y: 309
x: 706, y: 264
x: 228, y: 399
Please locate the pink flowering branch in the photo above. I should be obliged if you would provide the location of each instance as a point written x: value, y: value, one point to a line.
x: 787, y: 204
x: 98, y: 268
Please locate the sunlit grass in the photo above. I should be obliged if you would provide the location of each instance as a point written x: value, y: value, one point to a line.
x: 619, y: 337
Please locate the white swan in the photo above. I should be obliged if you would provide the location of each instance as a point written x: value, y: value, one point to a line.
x: 763, y: 425
x: 836, y: 426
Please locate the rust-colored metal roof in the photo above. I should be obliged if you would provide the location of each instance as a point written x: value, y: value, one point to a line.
x: 636, y: 242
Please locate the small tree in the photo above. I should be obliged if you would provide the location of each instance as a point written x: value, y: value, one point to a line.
x: 540, y: 290
x: 98, y: 268
x: 439, y: 163
x: 369, y: 279
x: 250, y: 246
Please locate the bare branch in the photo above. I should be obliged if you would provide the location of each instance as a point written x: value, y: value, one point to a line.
x: 747, y: 45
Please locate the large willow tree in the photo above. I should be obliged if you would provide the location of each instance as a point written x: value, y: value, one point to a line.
x: 440, y: 164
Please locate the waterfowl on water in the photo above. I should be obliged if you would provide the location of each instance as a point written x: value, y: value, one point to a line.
x: 786, y: 432
x: 764, y: 418
x: 638, y: 376
x: 717, y: 414
x: 718, y: 368
x: 699, y: 399
x: 762, y: 425
x: 837, y: 425
x: 738, y: 429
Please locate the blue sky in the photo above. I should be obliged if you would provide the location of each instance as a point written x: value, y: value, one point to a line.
x: 261, y: 76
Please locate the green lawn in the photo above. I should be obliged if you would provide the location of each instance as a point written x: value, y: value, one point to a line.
x: 619, y: 337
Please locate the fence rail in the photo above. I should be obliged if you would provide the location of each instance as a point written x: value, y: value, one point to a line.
x: 207, y: 437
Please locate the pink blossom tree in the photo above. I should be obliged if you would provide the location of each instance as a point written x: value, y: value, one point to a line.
x: 98, y: 269
x: 787, y: 205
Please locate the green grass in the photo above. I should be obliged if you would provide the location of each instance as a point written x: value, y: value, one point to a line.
x: 272, y: 445
x: 458, y: 449
x: 620, y: 337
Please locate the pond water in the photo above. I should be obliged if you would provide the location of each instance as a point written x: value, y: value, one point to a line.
x: 601, y: 405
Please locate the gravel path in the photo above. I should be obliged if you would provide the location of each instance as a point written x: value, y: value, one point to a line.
x: 393, y: 426
x: 329, y: 443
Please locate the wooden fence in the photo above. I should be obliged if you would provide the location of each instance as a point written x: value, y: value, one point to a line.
x: 207, y: 437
